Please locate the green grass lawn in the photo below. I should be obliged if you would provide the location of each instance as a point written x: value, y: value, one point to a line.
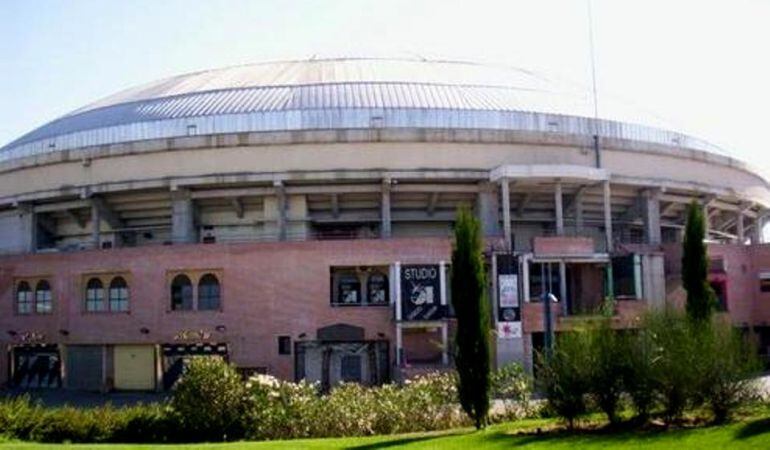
x: 751, y: 433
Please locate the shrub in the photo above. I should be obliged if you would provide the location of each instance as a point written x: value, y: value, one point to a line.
x: 564, y: 377
x: 727, y: 376
x: 210, y: 401
x: 676, y: 361
x: 638, y: 379
x: 283, y: 410
x: 513, y: 386
x: 608, y: 364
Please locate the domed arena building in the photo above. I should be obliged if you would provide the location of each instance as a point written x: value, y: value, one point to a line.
x: 295, y: 218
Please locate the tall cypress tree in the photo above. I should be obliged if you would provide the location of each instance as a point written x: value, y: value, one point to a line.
x: 700, y: 297
x: 469, y: 299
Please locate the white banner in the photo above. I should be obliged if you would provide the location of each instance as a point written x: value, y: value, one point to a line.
x: 509, y: 290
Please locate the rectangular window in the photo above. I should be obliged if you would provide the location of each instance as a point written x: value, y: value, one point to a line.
x: 764, y: 281
x: 538, y: 282
x: 624, y: 277
x: 284, y: 345
x: 720, y: 291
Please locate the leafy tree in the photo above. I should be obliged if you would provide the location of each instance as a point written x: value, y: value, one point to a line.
x: 701, y: 300
x: 469, y: 298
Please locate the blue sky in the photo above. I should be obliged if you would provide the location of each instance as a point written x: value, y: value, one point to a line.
x: 703, y: 65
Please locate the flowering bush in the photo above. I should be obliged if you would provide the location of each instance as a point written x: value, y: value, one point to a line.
x: 513, y: 387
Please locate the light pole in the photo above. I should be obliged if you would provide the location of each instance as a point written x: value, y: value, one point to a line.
x: 547, y: 298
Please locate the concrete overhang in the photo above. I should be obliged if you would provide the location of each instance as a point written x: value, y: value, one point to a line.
x: 562, y: 172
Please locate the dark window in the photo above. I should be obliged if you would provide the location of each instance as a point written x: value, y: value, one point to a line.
x: 350, y: 368
x: 624, y: 276
x: 537, y: 282
x: 208, y: 293
x: 118, y: 294
x: 348, y: 290
x: 764, y: 284
x: 181, y: 293
x: 43, y: 299
x: 377, y: 289
x: 95, y: 296
x: 23, y: 298
x: 284, y: 345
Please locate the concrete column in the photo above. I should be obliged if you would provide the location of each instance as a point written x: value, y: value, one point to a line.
x: 706, y: 220
x: 607, y: 215
x: 758, y: 235
x: 558, y: 204
x: 651, y: 216
x: 281, y: 204
x: 741, y: 232
x: 385, y: 230
x: 488, y: 209
x: 182, y: 218
x: 563, y: 288
x: 506, y: 206
x: 579, y: 223
x: 96, y: 222
x: 27, y: 229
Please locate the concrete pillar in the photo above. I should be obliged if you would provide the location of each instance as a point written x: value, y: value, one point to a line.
x: 607, y: 215
x: 651, y: 216
x: 563, y: 288
x: 706, y: 220
x: 758, y: 234
x: 558, y: 205
x: 182, y: 218
x: 741, y: 232
x: 488, y: 209
x: 385, y: 223
x: 579, y: 222
x: 96, y: 222
x: 506, y: 206
x: 27, y: 229
x: 281, y: 205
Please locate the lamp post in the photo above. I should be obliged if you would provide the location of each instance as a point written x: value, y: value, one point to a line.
x: 547, y: 298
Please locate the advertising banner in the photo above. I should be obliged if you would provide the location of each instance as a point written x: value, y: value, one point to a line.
x: 421, y: 293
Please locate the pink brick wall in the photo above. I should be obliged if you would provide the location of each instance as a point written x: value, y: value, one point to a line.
x: 268, y: 289
x: 563, y: 245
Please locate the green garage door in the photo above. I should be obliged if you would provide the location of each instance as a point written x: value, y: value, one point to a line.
x: 85, y: 367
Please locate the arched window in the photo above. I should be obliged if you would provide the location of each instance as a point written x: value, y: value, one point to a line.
x: 118, y: 294
x: 43, y: 299
x: 181, y: 293
x: 377, y: 289
x: 95, y: 296
x: 23, y: 298
x: 208, y: 293
x: 348, y: 289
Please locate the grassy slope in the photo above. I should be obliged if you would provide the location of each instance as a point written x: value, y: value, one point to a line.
x: 751, y: 434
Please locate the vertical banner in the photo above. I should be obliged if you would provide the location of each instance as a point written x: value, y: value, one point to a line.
x: 508, y: 297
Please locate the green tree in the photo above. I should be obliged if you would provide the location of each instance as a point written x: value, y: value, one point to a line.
x: 469, y: 298
x: 700, y: 297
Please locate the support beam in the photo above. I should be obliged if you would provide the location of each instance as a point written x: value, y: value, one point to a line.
x: 237, y: 204
x: 740, y: 232
x: 27, y: 228
x: 505, y: 194
x: 105, y: 212
x: 666, y: 210
x: 182, y: 217
x: 385, y: 229
x: 651, y: 216
x: 523, y: 204
x: 607, y: 215
x: 578, y: 204
x: 432, y: 202
x: 335, y: 202
x: 488, y: 209
x: 557, y: 200
x: 75, y: 217
x: 96, y: 225
x: 280, y: 194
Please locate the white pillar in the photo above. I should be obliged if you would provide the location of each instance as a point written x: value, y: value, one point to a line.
x: 563, y: 287
x: 399, y: 336
x: 27, y: 228
x: 182, y: 217
x: 579, y: 212
x: 280, y: 195
x: 559, y: 209
x: 488, y: 209
x: 607, y: 215
x: 706, y: 220
x: 385, y: 210
x: 506, y: 198
x: 741, y: 232
x: 96, y: 221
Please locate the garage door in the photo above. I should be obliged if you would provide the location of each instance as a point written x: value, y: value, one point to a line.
x: 85, y: 369
x: 135, y: 367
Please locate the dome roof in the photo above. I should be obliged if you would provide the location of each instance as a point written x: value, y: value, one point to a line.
x: 343, y: 93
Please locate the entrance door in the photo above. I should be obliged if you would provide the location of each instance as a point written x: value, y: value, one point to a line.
x: 85, y: 367
x: 135, y: 367
x: 36, y: 367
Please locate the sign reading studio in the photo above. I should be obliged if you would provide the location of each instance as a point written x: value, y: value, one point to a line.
x: 421, y: 293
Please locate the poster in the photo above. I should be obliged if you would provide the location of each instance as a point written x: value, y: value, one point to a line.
x: 509, y: 330
x: 509, y: 290
x: 421, y: 293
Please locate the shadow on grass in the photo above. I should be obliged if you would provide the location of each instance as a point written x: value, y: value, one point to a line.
x: 399, y: 442
x: 754, y: 428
